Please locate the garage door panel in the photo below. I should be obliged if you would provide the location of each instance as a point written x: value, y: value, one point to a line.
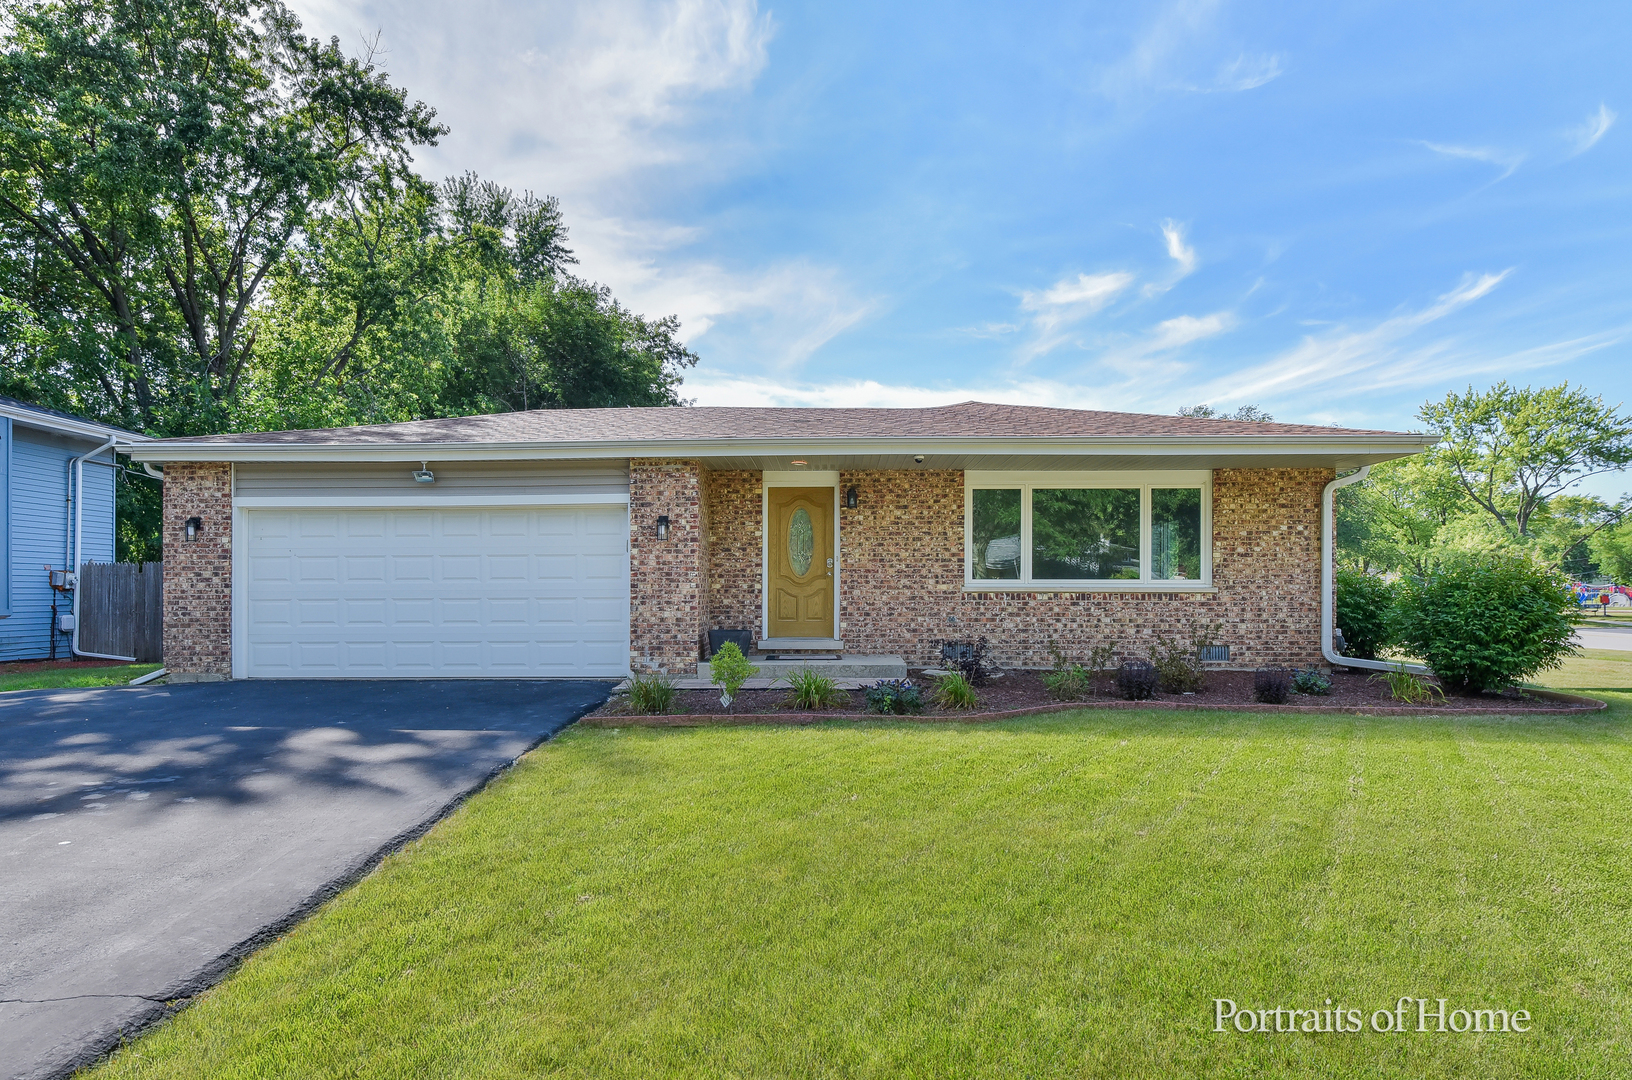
x: 394, y: 593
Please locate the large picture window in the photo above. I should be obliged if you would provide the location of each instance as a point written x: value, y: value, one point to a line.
x: 1106, y: 531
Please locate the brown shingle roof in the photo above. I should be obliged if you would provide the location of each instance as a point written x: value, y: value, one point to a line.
x: 970, y: 420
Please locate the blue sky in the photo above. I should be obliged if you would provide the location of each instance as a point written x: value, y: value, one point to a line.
x: 1335, y: 212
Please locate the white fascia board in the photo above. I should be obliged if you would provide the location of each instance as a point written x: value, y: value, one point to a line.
x: 1336, y: 446
x: 83, y: 428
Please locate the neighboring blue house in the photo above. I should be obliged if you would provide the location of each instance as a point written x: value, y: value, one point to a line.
x: 39, y: 448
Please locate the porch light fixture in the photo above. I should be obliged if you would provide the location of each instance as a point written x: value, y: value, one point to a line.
x: 193, y: 527
x: 423, y: 474
x: 801, y: 462
x: 663, y: 527
x: 850, y: 498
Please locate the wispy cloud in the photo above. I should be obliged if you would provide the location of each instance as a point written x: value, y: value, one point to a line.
x: 1055, y: 310
x: 1248, y: 72
x: 1177, y: 250
x: 1372, y: 357
x: 1177, y: 47
x: 1185, y: 329
x: 1585, y: 136
x: 1502, y: 159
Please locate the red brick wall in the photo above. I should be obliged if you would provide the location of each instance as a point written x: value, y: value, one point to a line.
x: 198, y: 573
x: 901, y: 574
x: 736, y: 549
x: 667, y: 578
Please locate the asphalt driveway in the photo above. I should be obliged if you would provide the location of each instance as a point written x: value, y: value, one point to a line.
x: 151, y: 837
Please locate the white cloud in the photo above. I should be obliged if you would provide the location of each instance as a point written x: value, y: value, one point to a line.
x: 1065, y: 304
x: 1586, y: 135
x: 1185, y: 256
x: 584, y: 101
x: 1185, y: 329
x: 1372, y: 357
x: 1502, y: 159
x: 1248, y: 72
x: 1178, y: 44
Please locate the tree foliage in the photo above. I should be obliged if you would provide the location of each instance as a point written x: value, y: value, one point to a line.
x: 209, y: 222
x: 1501, y: 481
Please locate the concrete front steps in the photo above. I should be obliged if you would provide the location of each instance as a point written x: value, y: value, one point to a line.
x: 850, y: 672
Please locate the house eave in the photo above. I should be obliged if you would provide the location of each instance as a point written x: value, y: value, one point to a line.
x: 62, y: 425
x: 1347, y: 450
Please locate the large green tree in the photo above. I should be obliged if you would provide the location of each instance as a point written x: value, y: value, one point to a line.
x: 1504, y: 477
x: 166, y: 154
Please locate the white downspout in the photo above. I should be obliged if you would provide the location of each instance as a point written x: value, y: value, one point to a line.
x: 1328, y: 581
x: 78, y: 528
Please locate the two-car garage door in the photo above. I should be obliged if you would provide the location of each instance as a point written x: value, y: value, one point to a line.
x: 483, y: 592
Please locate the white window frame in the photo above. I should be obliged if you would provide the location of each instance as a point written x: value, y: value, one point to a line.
x: 1027, y: 482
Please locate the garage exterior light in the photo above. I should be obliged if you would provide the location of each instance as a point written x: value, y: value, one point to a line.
x: 193, y: 527
x: 663, y: 527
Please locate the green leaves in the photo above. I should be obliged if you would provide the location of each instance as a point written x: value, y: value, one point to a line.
x: 1482, y: 622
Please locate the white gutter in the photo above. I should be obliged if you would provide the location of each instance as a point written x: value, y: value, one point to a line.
x: 77, y: 465
x: 1328, y: 580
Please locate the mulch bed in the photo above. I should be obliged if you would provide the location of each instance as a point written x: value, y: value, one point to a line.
x: 29, y: 667
x: 1020, y: 693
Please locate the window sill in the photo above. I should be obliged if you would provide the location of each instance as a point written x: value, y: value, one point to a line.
x: 1002, y: 586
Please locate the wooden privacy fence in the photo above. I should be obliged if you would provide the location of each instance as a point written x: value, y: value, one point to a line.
x: 121, y: 610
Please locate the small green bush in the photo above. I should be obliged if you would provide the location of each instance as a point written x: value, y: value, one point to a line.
x: 729, y: 669
x: 1486, y: 621
x: 1365, y: 604
x: 1310, y: 681
x: 897, y: 696
x: 953, y: 691
x: 1178, y: 666
x: 651, y: 694
x: 811, y: 689
x: 1409, y: 687
x: 1072, y: 682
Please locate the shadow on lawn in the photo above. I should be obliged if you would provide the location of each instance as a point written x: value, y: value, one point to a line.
x: 246, y: 741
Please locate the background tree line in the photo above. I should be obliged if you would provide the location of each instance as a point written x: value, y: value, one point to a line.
x: 209, y: 222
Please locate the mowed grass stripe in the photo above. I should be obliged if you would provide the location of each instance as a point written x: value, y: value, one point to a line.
x: 1058, y: 896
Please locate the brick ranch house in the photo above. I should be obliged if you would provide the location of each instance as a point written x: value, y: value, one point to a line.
x: 595, y: 542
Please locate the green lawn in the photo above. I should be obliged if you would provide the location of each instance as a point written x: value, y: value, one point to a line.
x: 68, y: 678
x: 1056, y: 897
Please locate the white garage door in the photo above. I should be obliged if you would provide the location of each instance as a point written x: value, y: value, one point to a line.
x: 414, y: 593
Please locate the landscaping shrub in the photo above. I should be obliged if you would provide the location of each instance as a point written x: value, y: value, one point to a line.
x: 953, y: 691
x: 897, y: 696
x: 1136, y: 679
x: 1486, y: 621
x: 652, y: 695
x: 1072, y: 682
x: 1178, y: 666
x: 1409, y: 687
x: 1365, y: 604
x: 1310, y: 681
x: 729, y: 669
x: 968, y: 658
x: 1272, y: 686
x: 811, y: 689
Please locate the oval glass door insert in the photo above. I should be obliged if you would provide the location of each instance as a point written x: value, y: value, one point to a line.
x: 801, y: 542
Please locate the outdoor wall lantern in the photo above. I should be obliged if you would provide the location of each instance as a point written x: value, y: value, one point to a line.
x: 850, y: 498
x: 423, y: 474
x: 193, y: 527
x: 663, y: 527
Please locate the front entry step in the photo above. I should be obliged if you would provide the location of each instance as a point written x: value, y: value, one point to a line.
x: 859, y: 669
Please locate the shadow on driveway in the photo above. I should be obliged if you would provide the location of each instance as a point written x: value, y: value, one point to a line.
x: 153, y: 836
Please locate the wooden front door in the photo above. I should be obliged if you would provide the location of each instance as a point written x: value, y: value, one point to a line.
x: 799, y: 553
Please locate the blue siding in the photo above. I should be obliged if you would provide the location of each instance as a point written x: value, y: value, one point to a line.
x: 37, y: 527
